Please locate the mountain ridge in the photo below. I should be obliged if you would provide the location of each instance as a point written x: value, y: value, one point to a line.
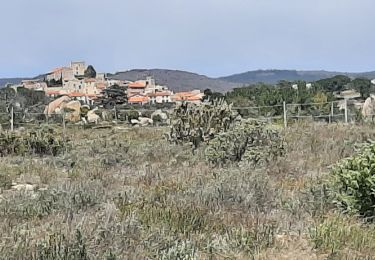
x: 272, y: 76
x: 176, y: 80
x: 179, y: 80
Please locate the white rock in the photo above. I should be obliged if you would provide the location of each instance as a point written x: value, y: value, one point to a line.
x: 144, y: 121
x: 368, y: 109
x: 26, y: 187
x: 134, y: 122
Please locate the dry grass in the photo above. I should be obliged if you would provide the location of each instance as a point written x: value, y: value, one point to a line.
x: 128, y: 194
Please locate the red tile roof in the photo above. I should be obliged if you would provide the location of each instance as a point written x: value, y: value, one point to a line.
x: 52, y: 92
x: 138, y: 99
x: 137, y: 84
x: 90, y: 80
x: 59, y: 69
x: 189, y: 96
x: 76, y: 94
x: 160, y: 94
x: 101, y: 85
x: 79, y: 94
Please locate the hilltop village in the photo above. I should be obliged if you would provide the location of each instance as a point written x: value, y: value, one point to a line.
x: 81, y: 82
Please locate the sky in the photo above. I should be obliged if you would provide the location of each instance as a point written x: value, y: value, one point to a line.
x: 211, y: 37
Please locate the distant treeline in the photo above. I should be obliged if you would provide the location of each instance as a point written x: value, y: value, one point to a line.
x: 261, y: 94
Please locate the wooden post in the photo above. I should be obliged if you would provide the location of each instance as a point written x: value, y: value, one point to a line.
x: 115, y: 113
x: 346, y: 111
x: 47, y: 114
x: 12, y: 119
x: 285, y: 117
x: 63, y: 121
x: 332, y: 113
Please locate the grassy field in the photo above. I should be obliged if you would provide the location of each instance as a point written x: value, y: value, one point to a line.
x: 128, y: 194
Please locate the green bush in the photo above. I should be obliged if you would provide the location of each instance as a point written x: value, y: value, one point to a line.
x: 250, y: 140
x: 157, y: 119
x: 5, y: 181
x: 353, y: 182
x: 40, y: 142
x: 132, y: 114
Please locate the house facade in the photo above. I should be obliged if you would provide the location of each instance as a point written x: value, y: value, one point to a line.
x: 37, y: 85
x: 137, y: 87
x: 138, y: 99
x: 160, y: 97
x: 78, y: 68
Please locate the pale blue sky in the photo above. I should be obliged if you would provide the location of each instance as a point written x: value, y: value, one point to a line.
x: 213, y: 37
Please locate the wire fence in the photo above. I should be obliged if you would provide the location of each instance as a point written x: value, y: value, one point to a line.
x: 344, y: 111
x: 330, y: 112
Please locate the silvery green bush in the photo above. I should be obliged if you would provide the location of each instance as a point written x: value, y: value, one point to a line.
x: 353, y: 182
x: 251, y: 141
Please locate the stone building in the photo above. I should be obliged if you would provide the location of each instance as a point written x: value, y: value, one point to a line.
x: 78, y: 68
x: 160, y: 97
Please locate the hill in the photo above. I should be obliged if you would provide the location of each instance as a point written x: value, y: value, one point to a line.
x: 176, y: 80
x: 5, y: 81
x: 273, y: 76
x: 183, y: 80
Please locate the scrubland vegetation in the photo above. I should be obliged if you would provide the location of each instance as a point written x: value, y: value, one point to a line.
x: 130, y: 194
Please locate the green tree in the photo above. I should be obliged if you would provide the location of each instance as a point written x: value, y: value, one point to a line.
x: 210, y: 95
x: 363, y: 86
x: 336, y: 83
x: 90, y: 72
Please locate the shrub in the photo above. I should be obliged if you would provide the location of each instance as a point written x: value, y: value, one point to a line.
x: 5, y: 181
x: 41, y: 142
x: 198, y: 123
x: 252, y: 141
x: 132, y: 114
x: 157, y: 119
x: 54, y: 245
x: 343, y: 237
x: 353, y: 182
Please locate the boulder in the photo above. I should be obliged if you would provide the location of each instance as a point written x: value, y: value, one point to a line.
x: 368, y: 110
x: 73, y: 109
x: 26, y: 187
x: 163, y: 116
x: 73, y: 105
x: 145, y: 121
x: 92, y: 117
x: 134, y: 122
x: 56, y: 104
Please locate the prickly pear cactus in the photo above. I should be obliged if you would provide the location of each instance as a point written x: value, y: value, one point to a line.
x: 200, y: 123
x: 250, y: 141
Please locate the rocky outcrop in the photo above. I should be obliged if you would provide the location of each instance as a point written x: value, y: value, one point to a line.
x: 92, y: 117
x: 159, y: 117
x: 134, y: 122
x: 144, y: 121
x: 56, y: 105
x: 64, y: 104
x: 368, y: 110
x: 73, y: 111
x: 141, y: 121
